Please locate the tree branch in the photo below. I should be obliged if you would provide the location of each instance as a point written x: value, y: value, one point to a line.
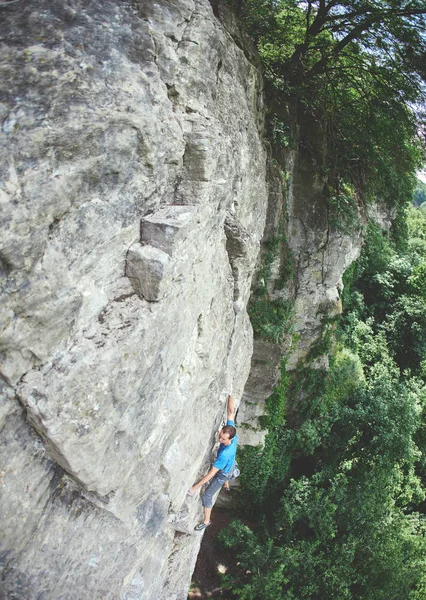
x: 321, y: 18
x: 308, y: 18
x: 355, y: 33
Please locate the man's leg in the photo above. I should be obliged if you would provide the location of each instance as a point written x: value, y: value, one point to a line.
x: 207, y: 513
x: 207, y: 500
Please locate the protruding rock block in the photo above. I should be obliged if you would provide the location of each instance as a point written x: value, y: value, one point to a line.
x: 147, y: 268
x: 201, y: 156
x: 167, y: 226
x: 237, y: 238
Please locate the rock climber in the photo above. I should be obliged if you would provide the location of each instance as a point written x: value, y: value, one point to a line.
x: 222, y: 467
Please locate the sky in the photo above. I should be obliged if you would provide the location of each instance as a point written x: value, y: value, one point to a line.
x: 422, y: 176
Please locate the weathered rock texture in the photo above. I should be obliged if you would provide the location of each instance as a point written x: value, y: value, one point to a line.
x: 132, y: 202
x: 265, y: 370
x: 323, y: 243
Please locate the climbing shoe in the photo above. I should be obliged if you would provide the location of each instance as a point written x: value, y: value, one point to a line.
x: 201, y: 526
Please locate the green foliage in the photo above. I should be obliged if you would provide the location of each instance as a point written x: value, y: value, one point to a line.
x: 343, y: 211
x: 304, y: 41
x: 280, y: 132
x: 336, y: 529
x: 387, y: 287
x: 274, y: 249
x: 417, y: 280
x: 337, y: 489
x: 271, y: 319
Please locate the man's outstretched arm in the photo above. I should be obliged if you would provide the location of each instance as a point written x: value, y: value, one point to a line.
x: 202, y: 481
x: 231, y: 410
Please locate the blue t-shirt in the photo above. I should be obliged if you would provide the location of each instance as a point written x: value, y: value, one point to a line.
x: 226, y: 454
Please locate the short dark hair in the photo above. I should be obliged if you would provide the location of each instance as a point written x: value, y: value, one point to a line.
x: 230, y: 430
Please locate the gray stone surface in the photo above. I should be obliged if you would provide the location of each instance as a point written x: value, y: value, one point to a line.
x: 168, y: 227
x: 264, y: 375
x: 133, y: 199
x: 323, y: 247
x: 148, y: 269
x: 119, y: 120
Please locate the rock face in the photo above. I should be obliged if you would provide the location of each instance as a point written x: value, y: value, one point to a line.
x: 323, y: 244
x: 132, y: 202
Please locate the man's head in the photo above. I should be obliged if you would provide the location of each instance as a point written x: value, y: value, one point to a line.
x: 226, y: 434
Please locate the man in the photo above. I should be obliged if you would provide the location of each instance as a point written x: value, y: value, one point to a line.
x: 222, y: 466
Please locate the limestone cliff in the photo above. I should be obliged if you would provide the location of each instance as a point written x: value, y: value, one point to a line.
x: 133, y: 201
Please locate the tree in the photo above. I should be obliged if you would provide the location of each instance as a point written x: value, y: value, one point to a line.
x: 336, y: 488
x: 311, y: 37
x: 358, y: 67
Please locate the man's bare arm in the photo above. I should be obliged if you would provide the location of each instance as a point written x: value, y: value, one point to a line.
x: 231, y: 410
x: 204, y: 480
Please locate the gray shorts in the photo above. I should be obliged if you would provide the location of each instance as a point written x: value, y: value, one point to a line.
x: 214, y: 486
